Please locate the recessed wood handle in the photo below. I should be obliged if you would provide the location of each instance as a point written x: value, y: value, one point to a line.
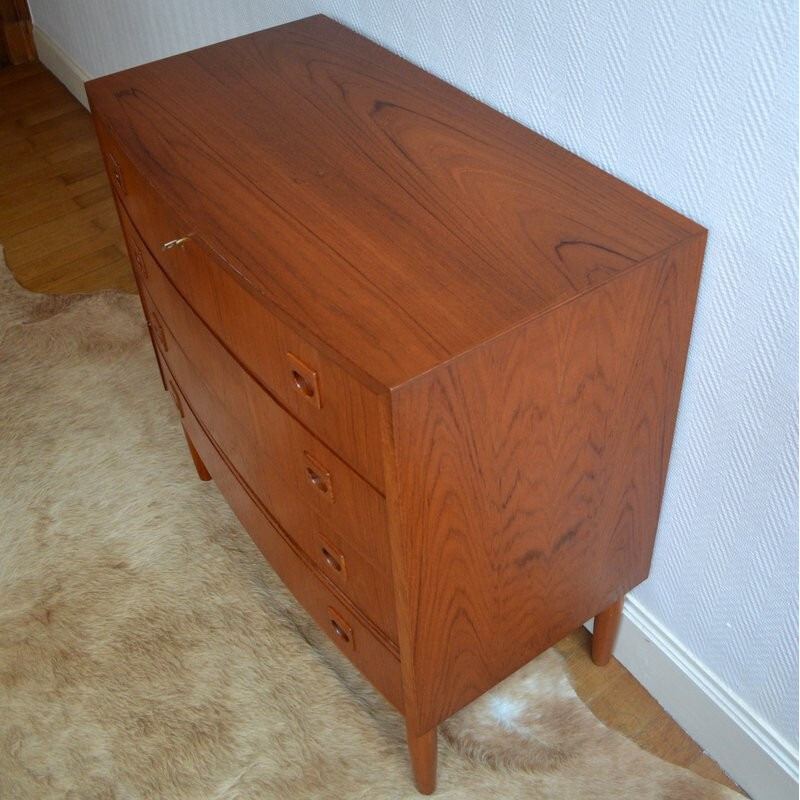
x: 318, y: 477
x: 342, y: 630
x: 176, y: 397
x: 303, y: 380
x: 333, y: 559
x: 318, y: 480
x: 139, y: 262
x: 158, y: 332
x: 116, y: 172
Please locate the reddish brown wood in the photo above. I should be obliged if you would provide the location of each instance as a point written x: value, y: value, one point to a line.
x: 342, y: 630
x: 423, y: 753
x: 177, y: 398
x: 139, y: 269
x: 372, y: 657
x: 349, y: 420
x: 432, y: 360
x: 262, y: 440
x: 319, y: 478
x: 16, y: 33
x: 604, y: 633
x: 304, y: 380
x: 555, y: 439
x: 202, y: 472
x: 288, y: 494
x: 436, y: 222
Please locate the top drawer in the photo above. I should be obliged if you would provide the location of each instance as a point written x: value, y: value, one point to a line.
x: 329, y: 400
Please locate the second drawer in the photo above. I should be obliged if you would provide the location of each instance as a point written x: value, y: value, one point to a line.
x: 368, y: 585
x: 261, y: 438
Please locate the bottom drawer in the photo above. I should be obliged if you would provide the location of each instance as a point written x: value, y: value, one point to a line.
x: 342, y: 625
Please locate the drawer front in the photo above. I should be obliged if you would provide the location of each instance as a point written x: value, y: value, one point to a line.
x: 370, y: 588
x: 368, y: 585
x: 342, y: 624
x: 330, y: 401
x: 265, y: 444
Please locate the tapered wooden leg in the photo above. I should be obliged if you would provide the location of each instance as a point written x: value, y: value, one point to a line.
x: 422, y: 750
x: 606, y: 626
x: 202, y: 472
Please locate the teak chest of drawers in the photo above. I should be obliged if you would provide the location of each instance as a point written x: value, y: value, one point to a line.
x: 431, y: 359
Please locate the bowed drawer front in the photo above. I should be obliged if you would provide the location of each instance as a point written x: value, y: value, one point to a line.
x: 316, y: 390
x: 431, y: 359
x: 294, y: 473
x: 339, y: 620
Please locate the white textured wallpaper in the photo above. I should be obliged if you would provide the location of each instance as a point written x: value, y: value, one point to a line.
x: 695, y: 103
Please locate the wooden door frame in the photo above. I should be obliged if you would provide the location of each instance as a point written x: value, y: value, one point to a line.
x: 16, y: 33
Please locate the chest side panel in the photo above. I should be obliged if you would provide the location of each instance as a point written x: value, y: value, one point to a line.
x: 528, y: 479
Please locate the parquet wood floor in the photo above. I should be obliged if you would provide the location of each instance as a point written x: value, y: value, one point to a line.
x: 57, y: 219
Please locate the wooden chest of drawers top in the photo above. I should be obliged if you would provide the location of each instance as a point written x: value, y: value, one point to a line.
x: 384, y: 213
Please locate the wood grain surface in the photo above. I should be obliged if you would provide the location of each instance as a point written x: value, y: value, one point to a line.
x: 366, y: 650
x: 604, y: 632
x: 483, y: 335
x: 347, y: 416
x: 50, y: 171
x: 265, y: 444
x: 527, y: 480
x: 16, y: 33
x: 414, y: 222
x: 424, y: 756
x: 57, y: 222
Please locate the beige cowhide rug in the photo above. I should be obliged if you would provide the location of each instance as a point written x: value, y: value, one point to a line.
x: 147, y: 651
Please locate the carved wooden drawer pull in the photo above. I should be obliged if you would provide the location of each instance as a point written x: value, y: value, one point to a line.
x: 139, y: 262
x: 116, y: 172
x: 158, y: 332
x: 318, y: 477
x: 333, y: 559
x: 342, y: 630
x: 304, y: 380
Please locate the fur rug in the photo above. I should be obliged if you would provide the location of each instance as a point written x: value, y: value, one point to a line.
x: 148, y: 651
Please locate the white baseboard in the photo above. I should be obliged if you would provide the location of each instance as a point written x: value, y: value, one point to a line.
x: 71, y: 74
x: 748, y: 749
